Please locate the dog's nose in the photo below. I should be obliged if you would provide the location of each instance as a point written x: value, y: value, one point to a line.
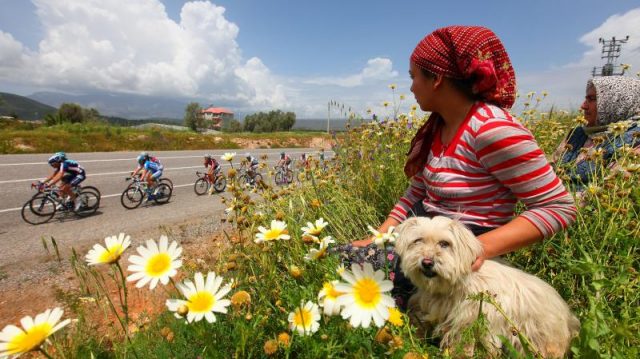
x: 427, y: 263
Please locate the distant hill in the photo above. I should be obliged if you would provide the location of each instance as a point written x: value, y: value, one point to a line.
x: 24, y: 107
x: 119, y: 104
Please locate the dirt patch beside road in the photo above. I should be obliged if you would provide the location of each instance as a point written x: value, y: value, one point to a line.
x: 31, y: 288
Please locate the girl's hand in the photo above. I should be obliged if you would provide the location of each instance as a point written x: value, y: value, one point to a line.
x: 475, y: 266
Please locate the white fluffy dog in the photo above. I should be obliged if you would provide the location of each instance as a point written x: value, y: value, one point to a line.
x: 436, y: 255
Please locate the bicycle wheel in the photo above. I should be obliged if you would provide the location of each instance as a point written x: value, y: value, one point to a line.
x: 289, y: 176
x: 91, y: 189
x: 89, y: 203
x: 39, y: 209
x: 245, y: 180
x: 131, y: 197
x: 257, y: 180
x: 95, y: 191
x: 162, y: 193
x: 220, y: 184
x: 279, y: 178
x: 167, y: 181
x: 201, y: 186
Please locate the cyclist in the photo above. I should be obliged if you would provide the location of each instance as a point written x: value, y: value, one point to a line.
x: 304, y: 161
x: 69, y: 173
x: 213, y: 167
x: 252, y: 166
x: 285, y: 161
x: 151, y: 172
x: 147, y: 157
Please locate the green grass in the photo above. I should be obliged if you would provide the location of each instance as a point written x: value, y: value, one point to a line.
x: 594, y: 265
x: 19, y: 137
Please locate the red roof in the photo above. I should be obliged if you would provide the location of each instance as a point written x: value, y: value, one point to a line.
x: 217, y: 110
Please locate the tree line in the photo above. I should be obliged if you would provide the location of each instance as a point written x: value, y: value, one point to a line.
x: 271, y: 121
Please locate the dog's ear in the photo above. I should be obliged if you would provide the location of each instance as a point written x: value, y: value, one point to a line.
x: 469, y: 246
x: 401, y: 230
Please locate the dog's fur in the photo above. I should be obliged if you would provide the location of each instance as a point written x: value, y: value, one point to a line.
x: 436, y: 255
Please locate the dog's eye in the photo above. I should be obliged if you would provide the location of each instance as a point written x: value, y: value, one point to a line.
x: 443, y: 244
x: 416, y: 240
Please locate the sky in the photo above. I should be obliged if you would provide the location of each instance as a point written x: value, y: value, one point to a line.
x: 255, y: 55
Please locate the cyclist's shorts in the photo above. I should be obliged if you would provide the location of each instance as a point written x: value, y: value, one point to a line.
x: 157, y: 175
x: 73, y: 179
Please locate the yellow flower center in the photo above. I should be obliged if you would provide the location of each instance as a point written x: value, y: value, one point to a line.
x: 33, y: 338
x: 302, y: 318
x: 331, y: 292
x: 158, y: 265
x: 111, y: 254
x: 201, y: 302
x: 395, y: 317
x: 367, y: 293
x: 272, y: 234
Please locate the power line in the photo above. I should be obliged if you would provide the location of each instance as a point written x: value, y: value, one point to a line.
x: 610, y: 51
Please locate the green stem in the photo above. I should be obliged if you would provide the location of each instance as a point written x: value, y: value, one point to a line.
x: 45, y: 353
x: 125, y: 305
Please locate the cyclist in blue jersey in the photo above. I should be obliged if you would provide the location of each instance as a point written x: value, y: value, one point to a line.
x: 151, y: 173
x: 141, y: 159
x: 69, y: 173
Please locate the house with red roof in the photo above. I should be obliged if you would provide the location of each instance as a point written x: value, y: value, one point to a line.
x: 214, y: 117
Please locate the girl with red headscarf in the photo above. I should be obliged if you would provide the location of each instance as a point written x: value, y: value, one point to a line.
x: 472, y: 160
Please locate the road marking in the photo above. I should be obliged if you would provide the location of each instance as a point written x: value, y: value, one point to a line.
x: 133, y: 158
x: 101, y: 197
x: 119, y: 173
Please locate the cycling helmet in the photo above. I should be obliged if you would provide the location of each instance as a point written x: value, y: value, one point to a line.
x: 57, y: 158
x: 207, y: 157
x: 141, y: 159
x: 247, y: 155
x: 281, y: 154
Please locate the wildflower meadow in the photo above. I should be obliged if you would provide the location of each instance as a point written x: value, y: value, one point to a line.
x: 278, y: 289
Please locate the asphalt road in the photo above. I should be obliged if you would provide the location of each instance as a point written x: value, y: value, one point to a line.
x: 21, y: 242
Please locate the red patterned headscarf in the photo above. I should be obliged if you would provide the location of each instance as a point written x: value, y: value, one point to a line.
x: 462, y: 52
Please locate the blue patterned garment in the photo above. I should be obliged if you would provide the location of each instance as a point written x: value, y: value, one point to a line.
x: 618, y: 99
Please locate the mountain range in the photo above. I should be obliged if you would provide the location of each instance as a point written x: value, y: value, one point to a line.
x: 123, y: 109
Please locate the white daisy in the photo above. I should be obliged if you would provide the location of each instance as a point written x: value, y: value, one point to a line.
x: 314, y: 229
x: 330, y: 295
x: 203, y: 298
x: 305, y: 319
x: 365, y: 296
x: 315, y: 254
x: 34, y: 332
x: 277, y: 231
x: 381, y: 238
x: 156, y: 262
x: 115, y: 246
x: 228, y: 156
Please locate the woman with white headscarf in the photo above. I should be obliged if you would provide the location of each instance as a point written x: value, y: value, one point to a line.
x: 609, y: 100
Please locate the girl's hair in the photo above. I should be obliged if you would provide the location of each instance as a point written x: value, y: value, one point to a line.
x: 463, y: 85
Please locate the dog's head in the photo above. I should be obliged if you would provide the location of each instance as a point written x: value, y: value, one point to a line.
x: 436, y: 252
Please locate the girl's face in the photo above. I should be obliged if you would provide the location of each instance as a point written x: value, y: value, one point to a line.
x: 590, y: 106
x: 422, y: 87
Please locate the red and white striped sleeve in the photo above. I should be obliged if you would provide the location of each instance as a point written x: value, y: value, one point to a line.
x: 510, y: 153
x: 415, y: 192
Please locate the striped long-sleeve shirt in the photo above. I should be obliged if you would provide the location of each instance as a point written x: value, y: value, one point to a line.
x: 492, y: 163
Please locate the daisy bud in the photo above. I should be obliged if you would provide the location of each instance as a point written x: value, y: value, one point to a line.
x: 183, y: 310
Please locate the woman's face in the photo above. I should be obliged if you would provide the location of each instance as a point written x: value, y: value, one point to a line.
x: 421, y: 86
x: 589, y: 106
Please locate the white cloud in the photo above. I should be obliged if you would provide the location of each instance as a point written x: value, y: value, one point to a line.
x: 377, y: 69
x: 133, y: 46
x: 566, y: 84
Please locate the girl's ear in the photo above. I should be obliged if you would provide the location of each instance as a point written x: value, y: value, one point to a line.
x: 438, y: 81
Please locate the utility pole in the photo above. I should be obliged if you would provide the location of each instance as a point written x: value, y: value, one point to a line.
x: 610, y: 52
x: 328, y: 115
